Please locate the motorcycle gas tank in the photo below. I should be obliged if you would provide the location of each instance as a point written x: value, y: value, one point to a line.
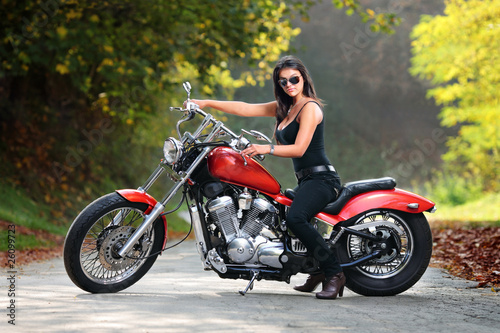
x: 228, y: 166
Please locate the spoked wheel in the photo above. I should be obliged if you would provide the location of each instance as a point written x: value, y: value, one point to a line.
x: 95, y: 237
x: 405, y: 252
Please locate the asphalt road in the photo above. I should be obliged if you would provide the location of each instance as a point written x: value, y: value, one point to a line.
x: 178, y: 296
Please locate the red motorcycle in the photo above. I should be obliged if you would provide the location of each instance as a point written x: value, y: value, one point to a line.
x: 238, y: 213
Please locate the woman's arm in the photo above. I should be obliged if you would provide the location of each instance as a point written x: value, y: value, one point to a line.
x: 239, y: 108
x: 308, y: 119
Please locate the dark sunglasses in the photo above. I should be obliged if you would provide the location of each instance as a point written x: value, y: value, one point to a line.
x: 292, y: 80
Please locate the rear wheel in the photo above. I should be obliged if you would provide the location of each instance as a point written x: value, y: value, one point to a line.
x: 96, y: 235
x: 406, y: 252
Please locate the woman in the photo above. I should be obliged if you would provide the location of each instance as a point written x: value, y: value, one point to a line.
x: 299, y: 134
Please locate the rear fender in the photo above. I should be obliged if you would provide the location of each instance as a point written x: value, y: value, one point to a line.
x: 395, y: 199
x: 141, y: 196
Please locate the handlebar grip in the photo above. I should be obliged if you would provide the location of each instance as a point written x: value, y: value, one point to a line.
x: 260, y: 157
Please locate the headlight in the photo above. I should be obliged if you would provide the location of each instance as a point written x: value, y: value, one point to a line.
x: 172, y: 150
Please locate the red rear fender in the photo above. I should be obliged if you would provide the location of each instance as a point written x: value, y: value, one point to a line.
x: 396, y: 199
x: 389, y: 199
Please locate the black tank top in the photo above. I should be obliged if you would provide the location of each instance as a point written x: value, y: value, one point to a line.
x: 315, y: 153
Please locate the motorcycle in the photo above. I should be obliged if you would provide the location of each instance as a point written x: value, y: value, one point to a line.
x: 238, y: 214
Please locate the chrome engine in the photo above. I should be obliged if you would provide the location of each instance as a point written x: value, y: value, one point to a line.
x: 242, y: 229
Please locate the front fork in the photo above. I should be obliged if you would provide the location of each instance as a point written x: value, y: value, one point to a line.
x: 160, y: 206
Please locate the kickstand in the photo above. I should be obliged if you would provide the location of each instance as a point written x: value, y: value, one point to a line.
x: 255, y: 274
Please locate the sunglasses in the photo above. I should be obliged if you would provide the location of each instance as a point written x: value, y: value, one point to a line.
x: 292, y: 80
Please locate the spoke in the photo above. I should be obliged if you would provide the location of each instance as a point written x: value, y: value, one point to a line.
x: 89, y: 266
x: 134, y: 218
x: 395, y: 259
x: 87, y: 256
x: 103, y: 234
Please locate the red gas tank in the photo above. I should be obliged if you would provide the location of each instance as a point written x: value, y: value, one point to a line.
x: 228, y: 166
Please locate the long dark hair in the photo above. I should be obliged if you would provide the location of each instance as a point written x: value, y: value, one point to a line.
x: 283, y: 99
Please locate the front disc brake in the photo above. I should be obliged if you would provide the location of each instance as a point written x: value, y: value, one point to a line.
x: 108, y: 255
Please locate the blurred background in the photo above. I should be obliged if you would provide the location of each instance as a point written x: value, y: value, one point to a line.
x: 411, y: 91
x: 377, y: 113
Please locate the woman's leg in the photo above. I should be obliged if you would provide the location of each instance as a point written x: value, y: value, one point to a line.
x: 311, y: 197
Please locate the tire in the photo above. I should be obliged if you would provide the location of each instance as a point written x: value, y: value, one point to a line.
x: 409, y: 243
x: 92, y: 242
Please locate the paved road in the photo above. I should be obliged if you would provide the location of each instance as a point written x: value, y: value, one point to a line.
x: 178, y: 296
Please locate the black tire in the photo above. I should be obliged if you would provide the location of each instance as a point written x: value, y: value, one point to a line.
x: 91, y: 243
x: 410, y: 240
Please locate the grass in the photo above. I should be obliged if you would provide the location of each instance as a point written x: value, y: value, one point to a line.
x: 18, y: 208
x: 484, y: 211
x: 27, y: 242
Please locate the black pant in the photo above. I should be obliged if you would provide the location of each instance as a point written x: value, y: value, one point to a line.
x: 314, y: 192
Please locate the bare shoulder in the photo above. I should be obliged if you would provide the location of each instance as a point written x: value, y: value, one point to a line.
x: 311, y: 110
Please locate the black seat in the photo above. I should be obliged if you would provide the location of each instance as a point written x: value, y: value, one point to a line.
x: 352, y: 189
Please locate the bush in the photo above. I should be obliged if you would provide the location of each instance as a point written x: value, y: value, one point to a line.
x: 453, y: 190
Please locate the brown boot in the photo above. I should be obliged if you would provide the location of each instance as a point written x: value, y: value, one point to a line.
x: 311, y: 283
x: 333, y: 287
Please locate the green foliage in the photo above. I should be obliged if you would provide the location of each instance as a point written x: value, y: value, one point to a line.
x: 382, y: 21
x: 453, y: 190
x: 19, y: 208
x: 86, y: 75
x: 458, y: 53
x: 126, y: 51
x: 482, y: 211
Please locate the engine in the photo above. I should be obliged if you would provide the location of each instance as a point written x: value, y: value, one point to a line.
x: 241, y: 225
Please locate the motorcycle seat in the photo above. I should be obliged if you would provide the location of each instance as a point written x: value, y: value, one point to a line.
x: 352, y: 189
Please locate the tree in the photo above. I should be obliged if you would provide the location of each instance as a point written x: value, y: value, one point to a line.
x: 380, y: 21
x: 112, y: 46
x: 66, y: 65
x: 74, y: 72
x: 459, y: 53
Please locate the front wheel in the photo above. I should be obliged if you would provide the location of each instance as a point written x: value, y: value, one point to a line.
x: 406, y: 252
x: 96, y: 235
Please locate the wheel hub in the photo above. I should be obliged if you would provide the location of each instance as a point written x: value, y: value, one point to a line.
x: 108, y: 252
x: 389, y: 247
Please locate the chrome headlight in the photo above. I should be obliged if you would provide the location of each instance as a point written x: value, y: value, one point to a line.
x: 172, y: 150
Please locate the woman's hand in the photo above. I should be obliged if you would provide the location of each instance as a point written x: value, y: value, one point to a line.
x: 200, y: 102
x: 253, y: 150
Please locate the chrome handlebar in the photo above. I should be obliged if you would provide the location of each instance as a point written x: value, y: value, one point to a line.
x: 238, y: 142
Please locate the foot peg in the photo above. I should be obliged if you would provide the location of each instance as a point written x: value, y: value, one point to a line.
x: 255, y: 274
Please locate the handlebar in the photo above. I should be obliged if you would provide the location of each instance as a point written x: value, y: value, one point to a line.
x: 191, y: 109
x: 208, y: 118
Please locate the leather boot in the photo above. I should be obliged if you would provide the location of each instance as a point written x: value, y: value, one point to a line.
x: 333, y: 287
x: 311, y: 283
